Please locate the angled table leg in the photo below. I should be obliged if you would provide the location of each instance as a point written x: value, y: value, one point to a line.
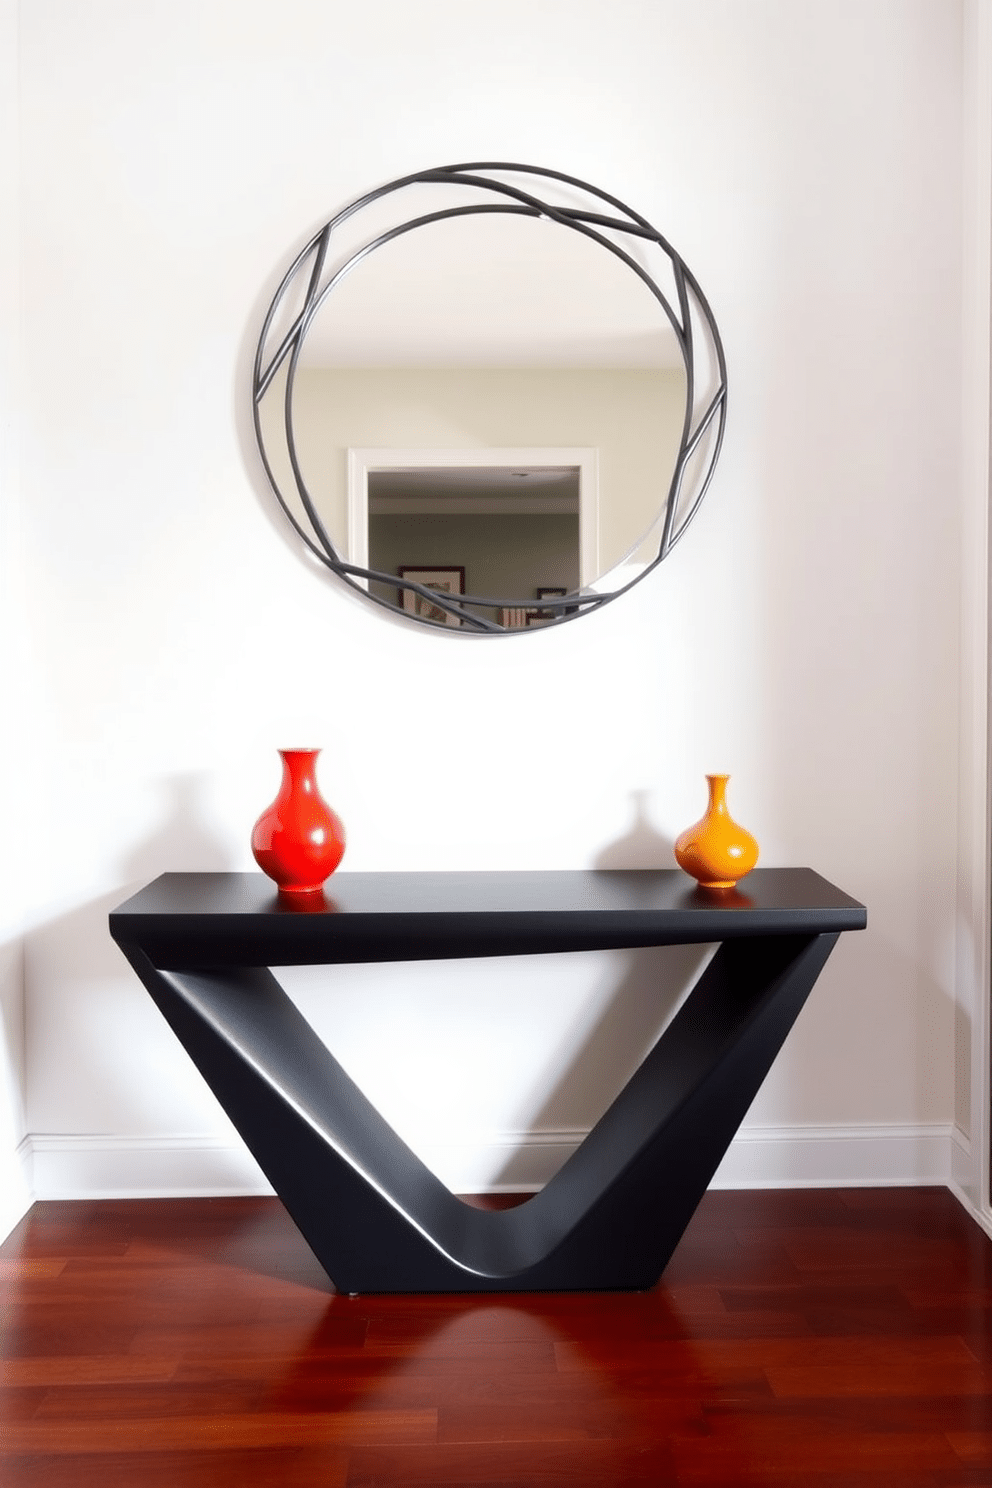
x: 379, y: 1220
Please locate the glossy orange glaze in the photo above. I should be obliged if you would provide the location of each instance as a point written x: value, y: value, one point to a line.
x: 715, y: 850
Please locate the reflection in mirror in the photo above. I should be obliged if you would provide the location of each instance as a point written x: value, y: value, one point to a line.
x: 512, y: 527
x: 531, y: 394
x: 515, y: 521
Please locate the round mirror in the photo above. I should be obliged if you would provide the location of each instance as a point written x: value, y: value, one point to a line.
x: 489, y: 397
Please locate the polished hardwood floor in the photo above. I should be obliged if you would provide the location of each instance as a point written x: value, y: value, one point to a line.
x: 825, y: 1338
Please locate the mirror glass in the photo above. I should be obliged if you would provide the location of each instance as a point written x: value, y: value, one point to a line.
x: 483, y: 415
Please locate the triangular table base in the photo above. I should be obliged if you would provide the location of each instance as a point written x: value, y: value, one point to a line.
x: 376, y: 1218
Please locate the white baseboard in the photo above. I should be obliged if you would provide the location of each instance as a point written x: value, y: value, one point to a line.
x: 94, y: 1167
x: 145, y: 1167
x: 839, y: 1157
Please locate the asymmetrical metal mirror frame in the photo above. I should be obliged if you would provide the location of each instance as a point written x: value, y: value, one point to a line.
x: 487, y: 190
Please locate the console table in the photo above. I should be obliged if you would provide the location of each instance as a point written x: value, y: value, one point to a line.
x: 377, y: 1219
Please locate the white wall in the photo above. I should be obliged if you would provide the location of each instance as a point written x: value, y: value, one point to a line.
x: 16, y: 739
x: 973, y: 1087
x: 804, y: 636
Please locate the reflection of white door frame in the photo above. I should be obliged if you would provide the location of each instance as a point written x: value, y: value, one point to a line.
x: 586, y: 460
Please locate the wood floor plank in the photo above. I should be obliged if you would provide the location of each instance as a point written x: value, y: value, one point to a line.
x: 51, y: 1332
x: 23, y: 1271
x: 854, y: 1379
x: 207, y: 1339
x: 85, y: 1369
x: 149, y: 1402
x: 241, y: 1430
x: 973, y: 1447
x: 470, y: 1357
x: 784, y: 1459
x: 536, y: 1465
x: 20, y: 1403
x: 862, y: 1352
x: 259, y: 1467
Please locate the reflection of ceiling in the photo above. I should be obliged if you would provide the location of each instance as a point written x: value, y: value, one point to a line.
x: 492, y: 292
x: 479, y: 489
x: 469, y: 478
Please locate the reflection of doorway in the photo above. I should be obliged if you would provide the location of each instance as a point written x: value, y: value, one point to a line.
x: 516, y: 520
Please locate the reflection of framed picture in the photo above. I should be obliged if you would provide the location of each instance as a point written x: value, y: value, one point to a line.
x: 545, y: 617
x: 444, y: 580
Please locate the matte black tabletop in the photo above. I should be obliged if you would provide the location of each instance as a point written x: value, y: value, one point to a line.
x: 183, y: 920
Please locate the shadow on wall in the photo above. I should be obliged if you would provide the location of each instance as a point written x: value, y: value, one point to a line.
x: 75, y: 948
x: 77, y: 984
x: 654, y: 984
x: 641, y: 846
x: 181, y: 843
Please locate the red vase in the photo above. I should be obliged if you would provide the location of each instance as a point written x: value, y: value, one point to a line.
x: 298, y: 841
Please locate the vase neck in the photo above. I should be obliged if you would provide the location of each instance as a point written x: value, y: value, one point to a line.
x: 718, y: 792
x: 298, y: 767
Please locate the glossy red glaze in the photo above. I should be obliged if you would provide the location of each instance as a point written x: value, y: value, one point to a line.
x: 299, y: 840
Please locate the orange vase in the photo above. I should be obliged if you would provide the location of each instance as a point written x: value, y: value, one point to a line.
x: 716, y: 851
x: 299, y: 840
